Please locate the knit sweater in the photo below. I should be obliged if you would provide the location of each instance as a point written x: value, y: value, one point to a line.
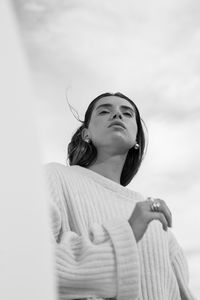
x: 96, y: 254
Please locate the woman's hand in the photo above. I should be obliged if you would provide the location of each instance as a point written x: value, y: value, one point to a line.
x: 143, y: 214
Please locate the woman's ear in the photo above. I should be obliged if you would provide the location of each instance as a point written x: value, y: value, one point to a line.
x: 85, y: 134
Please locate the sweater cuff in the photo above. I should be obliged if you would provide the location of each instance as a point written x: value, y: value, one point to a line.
x: 127, y: 258
x: 182, y: 274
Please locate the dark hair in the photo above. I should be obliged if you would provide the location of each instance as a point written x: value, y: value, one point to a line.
x: 84, y: 154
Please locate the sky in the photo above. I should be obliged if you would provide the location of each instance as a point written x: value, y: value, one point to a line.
x: 148, y: 50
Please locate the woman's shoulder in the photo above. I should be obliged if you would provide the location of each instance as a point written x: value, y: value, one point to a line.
x: 59, y: 169
x: 137, y: 196
x: 53, y: 167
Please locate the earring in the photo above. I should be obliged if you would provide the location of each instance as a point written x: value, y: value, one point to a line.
x: 87, y: 140
x: 136, y: 146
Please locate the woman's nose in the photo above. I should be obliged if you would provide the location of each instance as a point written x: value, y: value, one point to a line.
x: 117, y: 115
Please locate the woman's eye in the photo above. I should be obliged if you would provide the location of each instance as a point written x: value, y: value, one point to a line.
x: 128, y: 114
x: 103, y: 112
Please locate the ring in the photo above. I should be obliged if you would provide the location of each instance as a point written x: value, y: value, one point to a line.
x: 155, y: 204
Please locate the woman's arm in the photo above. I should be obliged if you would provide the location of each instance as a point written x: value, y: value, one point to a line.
x: 180, y: 267
x: 103, y: 263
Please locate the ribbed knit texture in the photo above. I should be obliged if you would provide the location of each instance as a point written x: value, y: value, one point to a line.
x: 97, y: 256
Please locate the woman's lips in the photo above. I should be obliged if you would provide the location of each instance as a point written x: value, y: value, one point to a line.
x: 116, y: 123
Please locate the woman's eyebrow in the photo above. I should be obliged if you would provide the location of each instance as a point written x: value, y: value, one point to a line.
x: 107, y: 105
x: 127, y: 107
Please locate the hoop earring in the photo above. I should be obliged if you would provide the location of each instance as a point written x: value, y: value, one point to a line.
x: 136, y: 146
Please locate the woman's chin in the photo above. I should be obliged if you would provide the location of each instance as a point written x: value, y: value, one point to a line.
x: 120, y: 139
x: 120, y: 145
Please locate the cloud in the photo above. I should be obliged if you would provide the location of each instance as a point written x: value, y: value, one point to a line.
x: 147, y: 51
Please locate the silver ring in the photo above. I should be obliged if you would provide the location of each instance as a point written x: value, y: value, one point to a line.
x: 155, y: 204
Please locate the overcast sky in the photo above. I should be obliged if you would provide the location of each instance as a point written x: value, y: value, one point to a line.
x: 148, y: 50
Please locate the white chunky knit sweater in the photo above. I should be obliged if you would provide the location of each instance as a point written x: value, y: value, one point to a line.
x: 97, y: 256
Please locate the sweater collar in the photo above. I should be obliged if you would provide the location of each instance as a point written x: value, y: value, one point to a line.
x: 106, y: 182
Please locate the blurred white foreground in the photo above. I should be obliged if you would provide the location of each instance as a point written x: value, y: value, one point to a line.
x: 25, y: 251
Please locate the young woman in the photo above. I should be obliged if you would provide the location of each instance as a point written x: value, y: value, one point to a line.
x: 110, y: 242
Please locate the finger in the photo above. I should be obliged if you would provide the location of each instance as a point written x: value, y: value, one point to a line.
x: 162, y: 208
x: 166, y: 211
x: 160, y: 217
x: 162, y: 201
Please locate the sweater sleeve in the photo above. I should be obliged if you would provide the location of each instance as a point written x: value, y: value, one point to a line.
x: 104, y: 263
x: 180, y: 267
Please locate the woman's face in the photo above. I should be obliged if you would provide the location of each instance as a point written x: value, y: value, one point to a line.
x: 113, y: 124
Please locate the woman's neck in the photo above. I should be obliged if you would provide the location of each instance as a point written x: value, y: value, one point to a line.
x: 109, y: 166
